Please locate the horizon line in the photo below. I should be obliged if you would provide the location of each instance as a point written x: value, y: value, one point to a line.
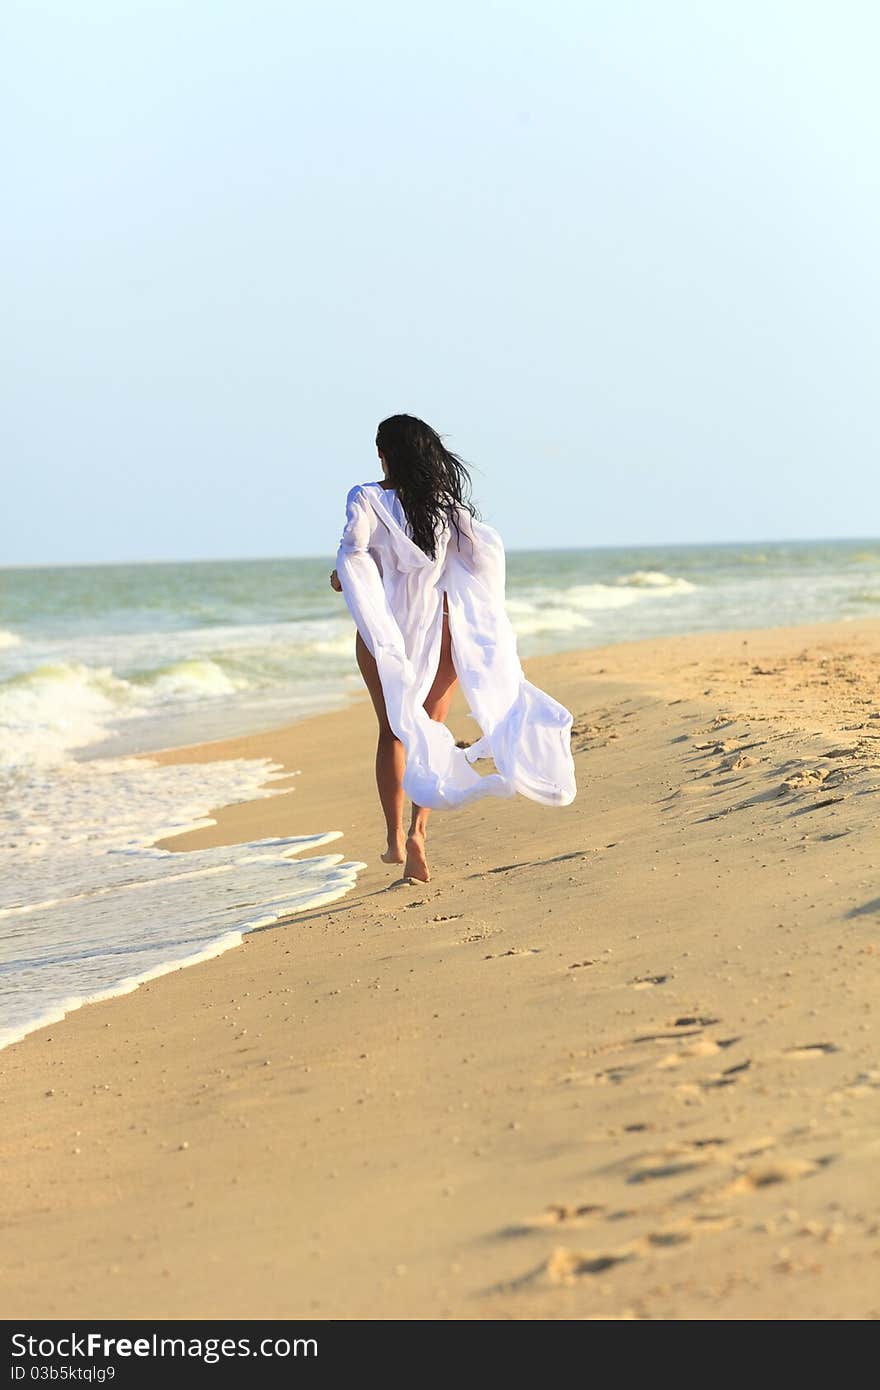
x: 509, y: 550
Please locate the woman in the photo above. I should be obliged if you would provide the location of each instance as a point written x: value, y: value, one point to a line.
x: 424, y: 581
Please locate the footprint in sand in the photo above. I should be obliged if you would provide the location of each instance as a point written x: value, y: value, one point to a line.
x: 669, y: 1037
x: 738, y: 763
x: 739, y: 1067
x: 581, y: 728
x: 807, y: 777
x: 701, y: 1047
x: 729, y: 1077
x: 557, y: 1214
x: 566, y: 1266
x: 671, y: 1161
x: 864, y: 1084
x: 762, y: 1175
x: 652, y: 1168
x: 812, y: 1050
x: 616, y: 1074
x: 559, y: 1211
x: 753, y: 1173
x: 646, y: 981
x: 479, y: 931
x: 515, y: 951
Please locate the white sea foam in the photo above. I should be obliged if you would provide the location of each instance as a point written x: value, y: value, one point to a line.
x: 52, y: 709
x: 530, y: 619
x: 90, y: 907
x: 254, y: 654
x: 61, y: 694
x: 9, y: 639
x: 169, y: 911
x: 193, y: 679
x: 602, y: 597
x: 567, y: 610
x: 656, y: 579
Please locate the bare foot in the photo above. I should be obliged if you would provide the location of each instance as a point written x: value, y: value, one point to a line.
x: 416, y: 863
x: 395, y: 853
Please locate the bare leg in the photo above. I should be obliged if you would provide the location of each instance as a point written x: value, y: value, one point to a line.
x: 390, y: 759
x: 437, y: 707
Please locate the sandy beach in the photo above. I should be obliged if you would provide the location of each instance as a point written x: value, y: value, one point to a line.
x: 618, y: 1060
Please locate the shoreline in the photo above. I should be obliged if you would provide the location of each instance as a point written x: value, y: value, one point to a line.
x: 422, y: 1068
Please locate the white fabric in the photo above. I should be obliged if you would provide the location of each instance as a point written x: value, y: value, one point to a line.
x: 395, y: 594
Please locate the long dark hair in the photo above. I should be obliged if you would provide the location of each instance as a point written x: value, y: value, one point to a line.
x: 431, y: 481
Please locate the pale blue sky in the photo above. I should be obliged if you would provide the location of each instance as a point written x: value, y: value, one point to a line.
x: 622, y: 253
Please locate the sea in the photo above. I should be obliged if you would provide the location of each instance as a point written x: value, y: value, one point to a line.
x: 102, y: 665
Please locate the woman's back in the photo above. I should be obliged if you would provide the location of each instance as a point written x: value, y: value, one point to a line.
x: 397, y: 593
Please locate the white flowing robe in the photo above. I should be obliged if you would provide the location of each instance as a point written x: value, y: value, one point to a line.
x: 395, y: 594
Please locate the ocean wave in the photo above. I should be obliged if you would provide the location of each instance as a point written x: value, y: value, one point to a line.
x: 343, y: 645
x: 598, y: 597
x: 656, y: 579
x: 197, y: 679
x: 9, y: 639
x: 566, y: 610
x: 58, y: 706
x: 62, y: 677
x: 532, y: 622
x: 46, y: 712
x: 243, y: 651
